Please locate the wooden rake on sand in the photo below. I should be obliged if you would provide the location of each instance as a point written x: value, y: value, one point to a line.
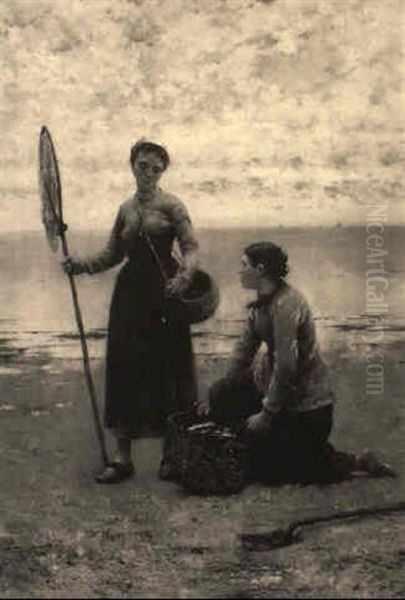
x: 278, y: 538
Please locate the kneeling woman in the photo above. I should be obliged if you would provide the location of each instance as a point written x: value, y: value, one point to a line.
x: 285, y: 394
x: 149, y: 371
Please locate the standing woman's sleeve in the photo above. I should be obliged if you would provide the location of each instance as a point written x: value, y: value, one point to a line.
x: 185, y: 236
x: 112, y: 254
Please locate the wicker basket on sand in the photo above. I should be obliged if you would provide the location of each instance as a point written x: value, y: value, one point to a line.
x: 206, y: 458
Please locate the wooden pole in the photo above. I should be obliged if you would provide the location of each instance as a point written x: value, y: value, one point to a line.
x: 86, y: 361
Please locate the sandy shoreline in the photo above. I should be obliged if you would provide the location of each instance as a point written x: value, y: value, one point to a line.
x: 62, y: 535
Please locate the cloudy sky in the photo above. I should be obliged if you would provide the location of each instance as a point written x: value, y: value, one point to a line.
x: 275, y: 112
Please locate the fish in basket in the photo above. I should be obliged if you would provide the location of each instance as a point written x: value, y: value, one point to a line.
x: 206, y: 458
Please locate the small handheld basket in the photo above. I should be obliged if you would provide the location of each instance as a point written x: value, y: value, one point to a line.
x: 206, y: 458
x: 201, y: 299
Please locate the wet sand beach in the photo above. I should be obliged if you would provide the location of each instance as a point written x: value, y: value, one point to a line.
x: 62, y: 535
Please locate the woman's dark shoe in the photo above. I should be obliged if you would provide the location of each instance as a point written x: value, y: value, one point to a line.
x: 115, y: 472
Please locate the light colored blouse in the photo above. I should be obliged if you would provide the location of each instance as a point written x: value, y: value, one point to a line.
x: 291, y: 374
x: 164, y: 219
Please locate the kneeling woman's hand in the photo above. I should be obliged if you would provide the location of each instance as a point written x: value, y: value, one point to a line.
x: 259, y: 423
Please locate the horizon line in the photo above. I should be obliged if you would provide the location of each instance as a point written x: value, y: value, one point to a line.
x: 216, y: 226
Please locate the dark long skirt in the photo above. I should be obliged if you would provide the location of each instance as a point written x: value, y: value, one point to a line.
x: 295, y: 449
x: 149, y: 370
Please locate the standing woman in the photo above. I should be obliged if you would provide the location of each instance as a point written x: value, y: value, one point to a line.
x: 149, y: 365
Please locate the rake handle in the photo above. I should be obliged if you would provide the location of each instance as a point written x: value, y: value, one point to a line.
x: 347, y: 514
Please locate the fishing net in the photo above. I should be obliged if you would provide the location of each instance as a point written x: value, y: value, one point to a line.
x: 50, y: 189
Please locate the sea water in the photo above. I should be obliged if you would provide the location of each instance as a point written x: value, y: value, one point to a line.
x: 328, y: 265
